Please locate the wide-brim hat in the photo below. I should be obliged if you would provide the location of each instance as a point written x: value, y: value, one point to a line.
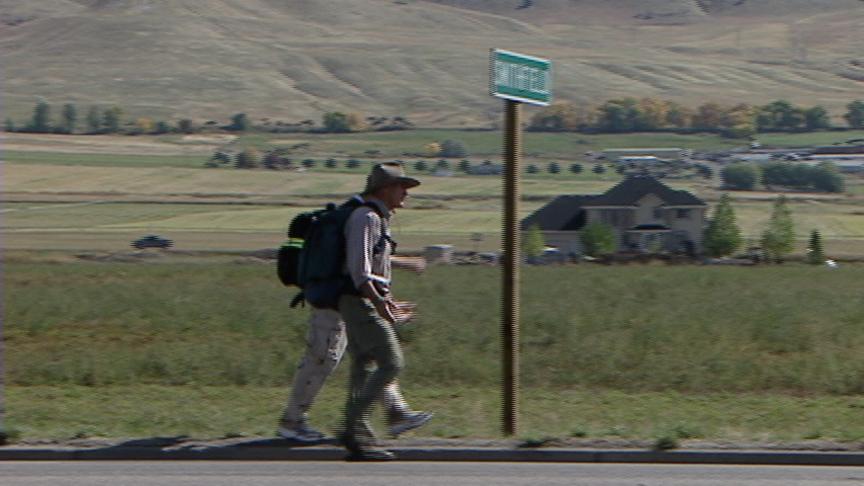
x: 388, y: 173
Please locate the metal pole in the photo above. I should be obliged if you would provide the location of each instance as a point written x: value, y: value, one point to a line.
x: 511, y: 262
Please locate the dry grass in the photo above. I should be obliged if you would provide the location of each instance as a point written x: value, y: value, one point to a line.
x: 401, y: 58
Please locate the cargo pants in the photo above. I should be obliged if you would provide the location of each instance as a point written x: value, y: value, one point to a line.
x: 376, y: 360
x: 326, y: 341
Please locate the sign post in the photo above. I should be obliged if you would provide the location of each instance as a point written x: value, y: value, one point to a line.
x: 517, y: 79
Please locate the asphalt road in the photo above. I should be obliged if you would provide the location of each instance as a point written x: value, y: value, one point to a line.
x: 193, y: 473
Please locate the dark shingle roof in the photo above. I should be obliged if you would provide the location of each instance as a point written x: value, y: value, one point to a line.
x: 561, y: 214
x: 629, y: 191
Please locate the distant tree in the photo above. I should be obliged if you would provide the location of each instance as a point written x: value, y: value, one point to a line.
x: 432, y: 149
x: 239, y: 123
x: 778, y: 239
x: 452, y: 148
x: 69, y: 118
x: 336, y: 122
x: 356, y: 122
x: 618, y: 115
x: 557, y: 117
x: 779, y: 115
x: 9, y: 126
x: 599, y: 169
x: 855, y: 114
x: 41, y: 121
x: 705, y: 171
x: 826, y: 177
x: 94, y: 120
x: 739, y: 121
x: 741, y: 177
x: 532, y: 169
x: 576, y: 168
x: 678, y: 116
x: 533, y: 243
x: 162, y: 127
x: 186, y: 125
x: 420, y: 166
x: 111, y: 119
x: 465, y: 165
x: 247, y: 159
x: 652, y: 114
x: 352, y: 163
x: 598, y: 239
x: 553, y: 167
x: 816, y: 118
x: 442, y: 164
x: 220, y: 157
x: 308, y: 163
x: 709, y: 116
x: 331, y: 163
x: 144, y: 125
x: 815, y: 251
x: 722, y: 236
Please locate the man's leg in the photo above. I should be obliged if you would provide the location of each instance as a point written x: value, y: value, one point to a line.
x: 325, y: 345
x: 370, y: 339
x: 400, y: 417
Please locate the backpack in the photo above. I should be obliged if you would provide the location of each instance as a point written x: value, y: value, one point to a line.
x: 313, y: 256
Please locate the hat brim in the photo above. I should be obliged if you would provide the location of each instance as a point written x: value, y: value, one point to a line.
x: 408, y: 182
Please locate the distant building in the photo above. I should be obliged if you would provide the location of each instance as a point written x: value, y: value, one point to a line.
x: 645, y: 214
x: 660, y: 153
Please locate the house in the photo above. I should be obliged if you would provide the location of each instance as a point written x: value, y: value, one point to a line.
x: 646, y: 215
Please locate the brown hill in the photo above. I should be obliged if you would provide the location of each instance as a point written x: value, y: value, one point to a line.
x: 426, y: 59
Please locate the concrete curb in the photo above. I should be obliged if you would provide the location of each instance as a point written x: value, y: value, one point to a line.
x: 453, y: 454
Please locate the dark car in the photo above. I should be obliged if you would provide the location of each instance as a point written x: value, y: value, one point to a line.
x: 152, y: 241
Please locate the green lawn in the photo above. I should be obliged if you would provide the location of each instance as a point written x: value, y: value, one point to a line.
x: 207, y: 347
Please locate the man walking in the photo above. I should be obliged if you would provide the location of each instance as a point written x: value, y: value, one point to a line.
x: 370, y: 311
x: 325, y: 345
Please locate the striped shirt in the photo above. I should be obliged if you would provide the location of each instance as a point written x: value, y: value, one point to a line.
x: 363, y: 232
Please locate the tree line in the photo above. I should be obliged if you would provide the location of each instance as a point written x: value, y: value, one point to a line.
x: 649, y: 114
x: 823, y: 177
x: 110, y: 120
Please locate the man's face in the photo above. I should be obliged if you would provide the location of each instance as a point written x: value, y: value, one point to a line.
x: 394, y: 196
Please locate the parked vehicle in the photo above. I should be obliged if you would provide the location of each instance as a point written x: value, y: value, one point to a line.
x: 152, y: 241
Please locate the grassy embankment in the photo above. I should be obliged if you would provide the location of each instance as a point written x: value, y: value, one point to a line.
x: 207, y: 349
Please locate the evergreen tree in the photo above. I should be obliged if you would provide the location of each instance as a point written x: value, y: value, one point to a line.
x: 336, y: 122
x: 352, y: 163
x: 722, y: 237
x: 532, y: 169
x: 69, y: 118
x: 420, y: 166
x: 94, y: 120
x: 9, y: 126
x: 576, y: 168
x: 778, y: 239
x: 553, y: 168
x: 247, y: 159
x: 815, y: 252
x: 599, y: 169
x: 597, y: 239
x: 533, y: 243
x: 41, y: 122
x: 743, y: 177
x: 239, y: 123
x: 855, y: 114
x: 111, y: 119
x: 465, y: 165
x: 331, y: 163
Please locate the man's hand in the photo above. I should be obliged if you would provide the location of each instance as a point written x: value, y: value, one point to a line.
x: 415, y: 264
x: 405, y: 311
x: 387, y: 309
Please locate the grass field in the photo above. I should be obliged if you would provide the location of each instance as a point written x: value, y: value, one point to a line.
x: 713, y: 352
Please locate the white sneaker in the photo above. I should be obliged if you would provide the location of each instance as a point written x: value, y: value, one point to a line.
x: 300, y: 433
x: 409, y: 421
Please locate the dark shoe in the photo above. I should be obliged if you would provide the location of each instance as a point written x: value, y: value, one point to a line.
x: 369, y: 455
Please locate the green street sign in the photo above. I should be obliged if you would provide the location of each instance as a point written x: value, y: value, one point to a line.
x: 518, y: 77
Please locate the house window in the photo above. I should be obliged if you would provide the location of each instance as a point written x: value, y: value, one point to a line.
x: 682, y: 213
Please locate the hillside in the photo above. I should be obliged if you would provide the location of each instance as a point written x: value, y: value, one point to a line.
x: 426, y: 59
